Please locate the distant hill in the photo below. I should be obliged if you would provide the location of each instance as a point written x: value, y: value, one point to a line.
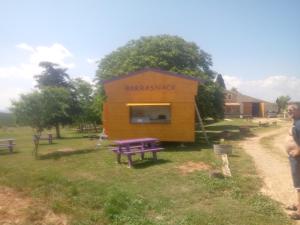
x: 6, y: 119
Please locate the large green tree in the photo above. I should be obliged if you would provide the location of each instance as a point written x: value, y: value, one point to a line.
x: 55, y: 79
x: 171, y: 53
x: 166, y: 52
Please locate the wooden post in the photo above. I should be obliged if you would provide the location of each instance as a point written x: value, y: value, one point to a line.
x: 225, y: 167
x: 201, y: 123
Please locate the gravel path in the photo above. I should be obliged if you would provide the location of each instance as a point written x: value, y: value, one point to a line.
x: 272, y: 163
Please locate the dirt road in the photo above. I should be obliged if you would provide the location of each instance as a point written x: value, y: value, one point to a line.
x: 268, y: 152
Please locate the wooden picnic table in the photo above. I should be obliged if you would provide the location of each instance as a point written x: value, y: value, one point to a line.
x: 131, y: 147
x: 8, y: 143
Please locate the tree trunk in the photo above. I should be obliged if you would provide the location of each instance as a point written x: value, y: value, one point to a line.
x: 36, y: 140
x: 57, y: 131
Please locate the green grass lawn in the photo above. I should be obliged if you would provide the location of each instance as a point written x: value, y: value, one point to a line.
x: 6, y: 119
x: 91, y: 188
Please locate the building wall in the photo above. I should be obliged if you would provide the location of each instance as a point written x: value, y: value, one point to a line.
x: 230, y: 97
x: 233, y: 110
x: 247, y: 108
x: 151, y: 87
x: 181, y: 127
x: 262, y: 109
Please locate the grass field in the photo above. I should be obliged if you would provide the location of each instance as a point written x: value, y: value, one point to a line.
x: 6, y: 119
x: 91, y: 188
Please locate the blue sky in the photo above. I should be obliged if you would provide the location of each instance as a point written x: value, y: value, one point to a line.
x: 254, y: 44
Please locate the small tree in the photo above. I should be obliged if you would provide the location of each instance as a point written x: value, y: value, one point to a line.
x: 29, y: 111
x: 282, y: 102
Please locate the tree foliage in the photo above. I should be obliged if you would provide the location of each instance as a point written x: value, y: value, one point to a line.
x: 52, y: 76
x: 57, y: 107
x: 58, y: 101
x: 220, y: 81
x: 171, y: 53
x: 29, y: 111
x: 56, y: 87
x: 43, y: 109
x: 210, y: 100
x: 166, y: 52
x: 89, y: 102
x: 282, y: 102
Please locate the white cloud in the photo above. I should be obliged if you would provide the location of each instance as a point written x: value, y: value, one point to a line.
x: 56, y: 53
x: 19, y: 78
x: 25, y: 47
x: 86, y: 78
x: 91, y: 60
x: 23, y: 71
x: 8, y: 94
x: 268, y: 88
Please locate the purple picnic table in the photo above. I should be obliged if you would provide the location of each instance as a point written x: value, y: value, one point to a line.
x: 131, y: 147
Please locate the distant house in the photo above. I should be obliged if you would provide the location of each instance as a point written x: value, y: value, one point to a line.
x: 240, y: 105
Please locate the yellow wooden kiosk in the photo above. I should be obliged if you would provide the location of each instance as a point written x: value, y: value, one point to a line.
x: 150, y: 103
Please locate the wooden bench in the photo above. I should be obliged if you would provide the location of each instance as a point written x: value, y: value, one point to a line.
x: 7, y: 144
x: 131, y: 147
x: 37, y: 138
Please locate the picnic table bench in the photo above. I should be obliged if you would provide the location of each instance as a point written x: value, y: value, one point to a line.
x: 131, y: 147
x: 7, y: 144
x: 49, y: 138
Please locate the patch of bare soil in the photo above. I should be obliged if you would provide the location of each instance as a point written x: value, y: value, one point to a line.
x: 66, y: 150
x: 272, y: 164
x: 190, y: 167
x: 18, y: 209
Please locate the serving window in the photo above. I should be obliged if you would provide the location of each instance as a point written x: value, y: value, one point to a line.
x: 150, y: 113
